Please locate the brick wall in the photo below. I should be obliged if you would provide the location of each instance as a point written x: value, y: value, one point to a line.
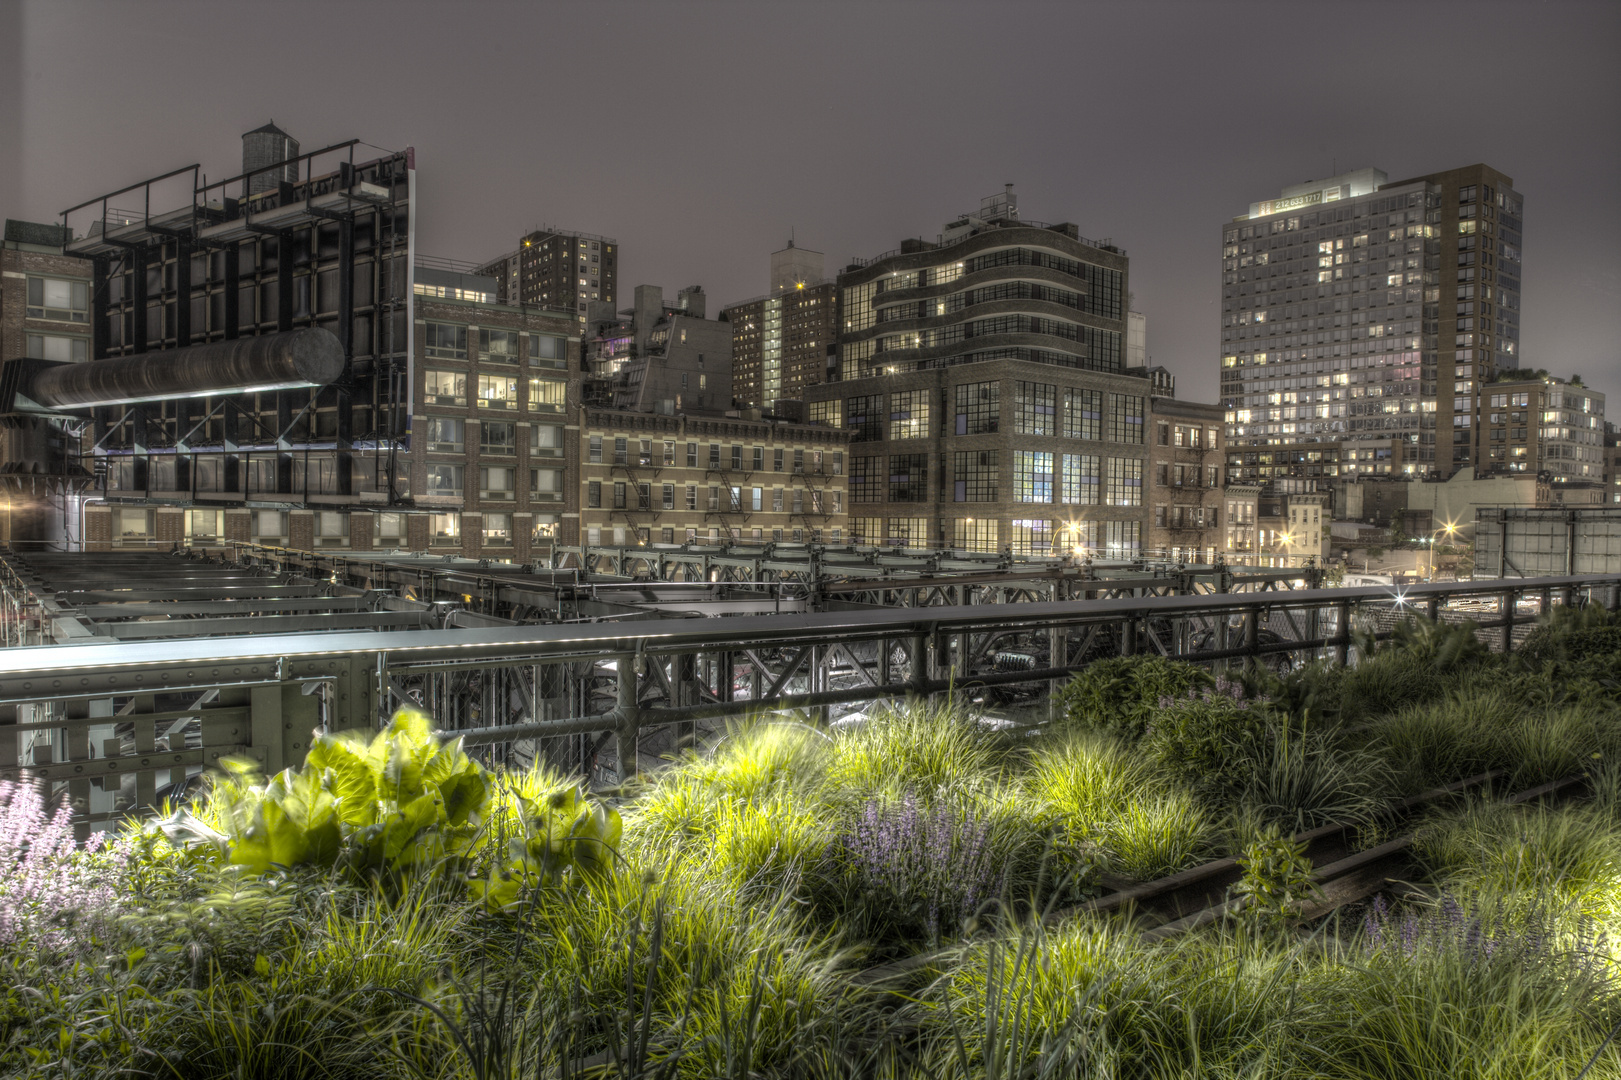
x: 416, y: 529
x: 98, y: 528
x: 360, y: 532
x: 169, y: 526
x: 239, y: 526
x: 301, y: 530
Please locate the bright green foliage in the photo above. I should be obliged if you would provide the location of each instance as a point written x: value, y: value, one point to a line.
x: 1277, y: 879
x: 925, y: 746
x: 1155, y: 836
x: 561, y: 831
x: 1563, y: 858
x: 403, y: 802
x: 398, y: 800
x: 1120, y: 694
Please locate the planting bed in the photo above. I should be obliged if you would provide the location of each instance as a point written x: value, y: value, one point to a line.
x: 914, y: 896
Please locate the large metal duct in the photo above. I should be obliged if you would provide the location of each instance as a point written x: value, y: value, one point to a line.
x: 295, y: 358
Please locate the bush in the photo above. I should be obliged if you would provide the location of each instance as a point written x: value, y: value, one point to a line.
x: 1118, y: 695
x: 400, y: 803
x: 1206, y: 740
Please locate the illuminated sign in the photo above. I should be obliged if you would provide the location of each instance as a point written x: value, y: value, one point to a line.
x: 1293, y: 202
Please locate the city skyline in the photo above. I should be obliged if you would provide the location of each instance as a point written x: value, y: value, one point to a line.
x: 1138, y: 164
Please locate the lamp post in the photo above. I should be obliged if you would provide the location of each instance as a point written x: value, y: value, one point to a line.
x: 1449, y: 528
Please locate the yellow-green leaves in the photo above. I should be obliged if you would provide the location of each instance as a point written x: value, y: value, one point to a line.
x: 401, y: 800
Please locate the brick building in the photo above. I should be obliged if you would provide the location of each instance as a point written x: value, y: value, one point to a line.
x: 44, y: 316
x: 558, y: 270
x: 707, y: 478
x: 781, y: 341
x: 1186, y: 463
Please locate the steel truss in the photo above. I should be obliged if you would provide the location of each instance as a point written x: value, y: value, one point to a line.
x: 85, y: 716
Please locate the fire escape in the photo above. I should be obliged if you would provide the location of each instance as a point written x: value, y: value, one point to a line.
x: 1191, y: 525
x: 812, y: 504
x: 640, y: 468
x: 729, y: 509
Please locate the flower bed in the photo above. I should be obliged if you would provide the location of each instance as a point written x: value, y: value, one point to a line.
x: 394, y: 909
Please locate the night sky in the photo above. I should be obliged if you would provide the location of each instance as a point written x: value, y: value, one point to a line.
x: 700, y: 134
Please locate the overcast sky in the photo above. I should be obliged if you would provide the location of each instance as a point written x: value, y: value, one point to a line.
x: 700, y: 134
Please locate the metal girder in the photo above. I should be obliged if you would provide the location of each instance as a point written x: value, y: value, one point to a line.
x: 269, y: 624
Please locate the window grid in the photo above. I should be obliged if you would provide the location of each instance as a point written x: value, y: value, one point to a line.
x: 1080, y: 479
x: 865, y: 483
x: 908, y: 477
x: 1032, y: 476
x: 978, y: 408
x: 974, y: 476
x: 1125, y: 418
x: 1033, y: 408
x: 1125, y: 482
x: 1083, y: 414
x: 909, y: 414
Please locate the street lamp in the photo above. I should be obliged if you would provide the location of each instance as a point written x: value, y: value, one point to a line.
x: 1449, y: 528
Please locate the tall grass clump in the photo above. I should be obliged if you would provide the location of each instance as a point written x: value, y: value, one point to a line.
x: 1456, y: 992
x: 1091, y: 999
x: 1556, y: 858
x: 1302, y: 779
x: 1159, y: 835
x: 1084, y: 780
x: 1119, y: 694
x: 1422, y: 661
x: 925, y: 746
x: 1476, y: 729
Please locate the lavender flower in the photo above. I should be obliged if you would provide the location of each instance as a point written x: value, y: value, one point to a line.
x: 925, y: 869
x: 46, y: 890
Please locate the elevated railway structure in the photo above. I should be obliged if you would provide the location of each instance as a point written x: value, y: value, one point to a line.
x: 141, y: 700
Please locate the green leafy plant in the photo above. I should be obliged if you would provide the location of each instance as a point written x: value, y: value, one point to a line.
x: 1120, y: 694
x: 1206, y: 741
x: 1277, y: 881
x: 397, y: 803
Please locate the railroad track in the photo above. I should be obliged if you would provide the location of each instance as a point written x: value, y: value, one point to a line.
x: 1344, y: 877
x: 1200, y: 895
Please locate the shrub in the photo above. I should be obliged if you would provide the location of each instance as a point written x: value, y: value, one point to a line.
x: 1119, y: 694
x: 402, y: 802
x: 1277, y: 879
x: 1206, y: 739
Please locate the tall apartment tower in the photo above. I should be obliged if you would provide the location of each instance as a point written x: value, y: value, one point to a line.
x: 559, y: 271
x: 1357, y: 313
x: 982, y: 377
x: 780, y: 341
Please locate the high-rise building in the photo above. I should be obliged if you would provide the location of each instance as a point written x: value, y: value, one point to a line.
x: 983, y: 378
x: 559, y: 271
x: 781, y: 341
x: 1356, y: 310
